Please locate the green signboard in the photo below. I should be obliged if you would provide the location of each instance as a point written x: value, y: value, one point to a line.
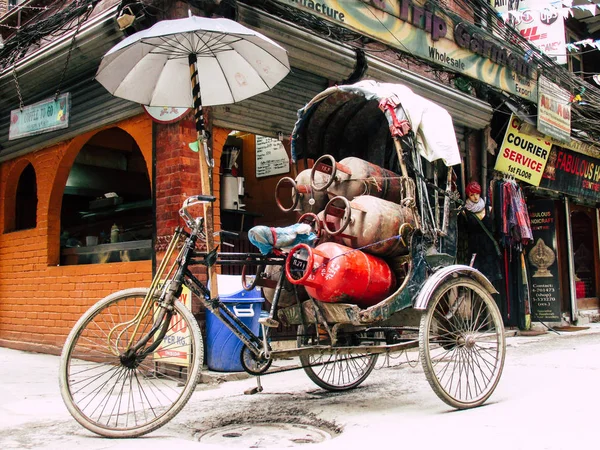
x: 433, y: 36
x: 41, y: 117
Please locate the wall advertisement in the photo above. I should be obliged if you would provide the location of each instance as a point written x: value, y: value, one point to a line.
x: 538, y: 21
x: 175, y: 347
x: 434, y: 36
x: 554, y: 110
x: 541, y: 258
x: 522, y: 155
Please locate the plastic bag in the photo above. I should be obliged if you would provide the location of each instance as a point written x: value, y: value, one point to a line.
x: 268, y: 238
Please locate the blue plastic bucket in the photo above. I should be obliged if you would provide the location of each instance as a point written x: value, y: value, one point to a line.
x: 223, y: 348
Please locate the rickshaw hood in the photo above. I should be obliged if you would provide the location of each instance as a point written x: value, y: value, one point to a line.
x: 353, y: 120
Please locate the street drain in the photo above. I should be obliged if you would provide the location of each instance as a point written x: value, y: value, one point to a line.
x: 265, y: 435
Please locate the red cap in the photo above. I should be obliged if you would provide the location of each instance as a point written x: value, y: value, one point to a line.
x: 473, y: 188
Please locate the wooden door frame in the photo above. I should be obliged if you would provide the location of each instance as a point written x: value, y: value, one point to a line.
x: 590, y: 302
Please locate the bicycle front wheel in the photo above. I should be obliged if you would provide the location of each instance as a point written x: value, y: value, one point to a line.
x: 119, y: 393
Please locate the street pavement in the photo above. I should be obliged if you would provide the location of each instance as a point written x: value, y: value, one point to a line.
x: 394, y: 406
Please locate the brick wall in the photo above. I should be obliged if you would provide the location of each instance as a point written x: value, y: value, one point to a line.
x: 177, y: 178
x: 39, y: 300
x: 178, y: 174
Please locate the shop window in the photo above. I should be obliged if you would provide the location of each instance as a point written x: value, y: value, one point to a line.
x: 583, y: 231
x: 26, y: 200
x: 106, y: 213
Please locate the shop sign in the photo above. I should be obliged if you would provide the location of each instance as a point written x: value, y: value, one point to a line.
x: 522, y: 155
x: 165, y: 114
x: 544, y: 283
x: 572, y: 173
x: 409, y: 27
x: 41, y: 117
x: 175, y: 347
x: 539, y: 22
x: 271, y: 157
x: 554, y: 110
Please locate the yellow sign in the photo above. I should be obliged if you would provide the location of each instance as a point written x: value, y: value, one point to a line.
x: 175, y: 346
x: 431, y: 35
x: 522, y: 155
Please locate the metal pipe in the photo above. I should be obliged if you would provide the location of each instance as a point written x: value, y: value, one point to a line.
x: 570, y: 256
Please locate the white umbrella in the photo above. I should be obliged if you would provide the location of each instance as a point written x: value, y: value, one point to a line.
x: 189, y: 63
x: 151, y: 67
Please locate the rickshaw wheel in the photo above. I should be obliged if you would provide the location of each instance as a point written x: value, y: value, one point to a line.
x: 462, y: 344
x: 330, y: 371
x: 252, y: 364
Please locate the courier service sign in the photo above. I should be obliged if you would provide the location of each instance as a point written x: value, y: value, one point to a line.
x: 522, y: 155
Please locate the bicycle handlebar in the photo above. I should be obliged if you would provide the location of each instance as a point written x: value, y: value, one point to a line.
x: 191, y: 201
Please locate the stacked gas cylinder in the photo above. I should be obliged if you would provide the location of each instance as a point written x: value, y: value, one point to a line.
x: 356, y: 210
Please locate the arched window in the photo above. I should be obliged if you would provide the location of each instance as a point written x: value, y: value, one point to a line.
x: 26, y: 200
x: 106, y: 213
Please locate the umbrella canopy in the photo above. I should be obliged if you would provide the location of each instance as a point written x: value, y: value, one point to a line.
x: 151, y: 67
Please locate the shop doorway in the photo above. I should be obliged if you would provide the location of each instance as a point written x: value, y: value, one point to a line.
x: 584, y: 234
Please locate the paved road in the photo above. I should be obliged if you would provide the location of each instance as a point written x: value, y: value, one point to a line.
x: 548, y: 398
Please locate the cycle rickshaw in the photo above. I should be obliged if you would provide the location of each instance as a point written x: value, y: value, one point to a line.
x: 115, y: 374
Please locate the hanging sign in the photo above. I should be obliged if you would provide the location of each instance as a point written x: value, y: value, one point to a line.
x: 522, y: 155
x: 572, y: 173
x: 554, y: 110
x: 41, y: 117
x: 175, y: 348
x: 544, y: 282
x: 271, y: 157
x: 165, y: 114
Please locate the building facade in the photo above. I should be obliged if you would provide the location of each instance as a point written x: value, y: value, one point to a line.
x: 88, y: 208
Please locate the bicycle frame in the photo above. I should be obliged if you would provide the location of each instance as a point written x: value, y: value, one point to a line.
x: 180, y: 275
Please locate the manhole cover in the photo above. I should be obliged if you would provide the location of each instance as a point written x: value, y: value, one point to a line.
x: 265, y: 435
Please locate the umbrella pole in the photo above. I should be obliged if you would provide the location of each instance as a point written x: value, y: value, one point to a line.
x: 204, y: 173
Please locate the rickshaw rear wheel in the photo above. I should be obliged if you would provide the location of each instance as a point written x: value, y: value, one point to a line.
x: 462, y: 343
x: 330, y: 371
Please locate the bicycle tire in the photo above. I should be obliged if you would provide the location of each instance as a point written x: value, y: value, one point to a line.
x: 330, y: 371
x: 121, y: 397
x: 462, y: 343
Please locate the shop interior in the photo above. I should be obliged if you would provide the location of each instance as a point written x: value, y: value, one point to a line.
x: 251, y: 167
x: 106, y: 213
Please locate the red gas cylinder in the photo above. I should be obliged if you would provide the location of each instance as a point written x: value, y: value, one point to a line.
x: 335, y: 273
x: 372, y: 224
x: 352, y: 177
x: 303, y: 197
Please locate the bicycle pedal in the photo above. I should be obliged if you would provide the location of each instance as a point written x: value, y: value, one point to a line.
x: 268, y: 322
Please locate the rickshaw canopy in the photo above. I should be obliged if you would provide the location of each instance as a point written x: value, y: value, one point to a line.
x: 361, y: 119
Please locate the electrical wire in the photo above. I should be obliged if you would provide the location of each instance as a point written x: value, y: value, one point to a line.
x: 57, y: 19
